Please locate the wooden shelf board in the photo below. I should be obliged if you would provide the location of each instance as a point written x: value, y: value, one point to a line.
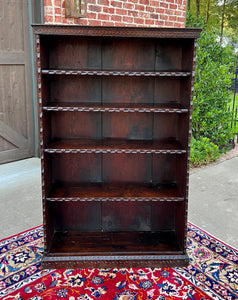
x: 172, y: 107
x: 114, y: 243
x: 114, y: 146
x: 114, y: 192
x: 115, y: 73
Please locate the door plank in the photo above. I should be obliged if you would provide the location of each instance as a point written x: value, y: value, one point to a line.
x: 12, y: 136
x: 16, y: 114
x: 12, y: 58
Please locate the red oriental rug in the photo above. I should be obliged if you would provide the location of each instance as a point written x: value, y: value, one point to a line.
x: 212, y: 274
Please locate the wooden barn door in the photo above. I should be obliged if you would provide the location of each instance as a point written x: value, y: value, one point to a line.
x: 16, y: 117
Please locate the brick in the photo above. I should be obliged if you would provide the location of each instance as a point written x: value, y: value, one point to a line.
x: 149, y: 22
x: 47, y: 3
x: 116, y: 4
x: 179, y: 25
x: 162, y: 4
x: 103, y: 17
x: 173, y: 6
x: 172, y: 18
x: 49, y: 10
x: 164, y: 17
x: 150, y: 9
x: 48, y: 19
x: 58, y: 3
x: 81, y: 21
x: 154, y: 16
x: 58, y: 11
x: 95, y: 8
x: 116, y: 18
x: 159, y: 23
x: 127, y: 19
x: 65, y: 21
x: 169, y: 12
x: 145, y: 2
x: 133, y: 13
x: 139, y: 20
x: 94, y: 22
x: 181, y: 7
x: 120, y: 24
x: 106, y: 23
x: 139, y: 7
x: 121, y: 12
x: 91, y: 15
x: 180, y: 19
x: 103, y: 2
x: 109, y: 10
x: 154, y: 3
x: 169, y: 24
x: 160, y: 10
x: 144, y: 15
x: 128, y: 5
x: 58, y: 19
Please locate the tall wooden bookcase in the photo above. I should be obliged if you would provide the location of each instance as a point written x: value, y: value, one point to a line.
x: 115, y: 116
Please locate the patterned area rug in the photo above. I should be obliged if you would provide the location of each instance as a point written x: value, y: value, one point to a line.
x: 212, y: 274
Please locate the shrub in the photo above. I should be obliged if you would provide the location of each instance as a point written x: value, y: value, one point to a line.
x: 211, y: 127
x: 203, y: 152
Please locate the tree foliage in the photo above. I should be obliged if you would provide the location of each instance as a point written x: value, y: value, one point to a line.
x: 221, y: 16
x: 211, y: 119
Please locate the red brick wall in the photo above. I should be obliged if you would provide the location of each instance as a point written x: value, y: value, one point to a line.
x: 156, y: 13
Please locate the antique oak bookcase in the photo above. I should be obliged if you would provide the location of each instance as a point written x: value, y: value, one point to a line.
x: 115, y: 116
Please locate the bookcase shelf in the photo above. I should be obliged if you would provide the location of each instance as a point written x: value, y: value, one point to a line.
x: 116, y: 73
x: 115, y: 192
x: 115, y: 116
x: 172, y: 107
x: 115, y: 146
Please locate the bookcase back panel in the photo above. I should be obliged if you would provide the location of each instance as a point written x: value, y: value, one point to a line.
x: 135, y: 89
x: 130, y: 216
x: 75, y: 216
x: 76, y: 168
x: 168, y: 126
x: 128, y: 54
x: 169, y: 90
x: 136, y: 126
x: 103, y: 89
x: 75, y: 88
x: 75, y: 53
x: 168, y: 57
x: 72, y: 125
x: 94, y: 53
x: 162, y: 215
x: 166, y: 169
x: 171, y: 55
x: 127, y: 168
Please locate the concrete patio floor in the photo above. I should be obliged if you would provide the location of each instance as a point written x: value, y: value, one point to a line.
x: 213, y: 198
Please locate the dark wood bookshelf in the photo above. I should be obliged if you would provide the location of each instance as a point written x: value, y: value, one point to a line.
x: 115, y: 115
